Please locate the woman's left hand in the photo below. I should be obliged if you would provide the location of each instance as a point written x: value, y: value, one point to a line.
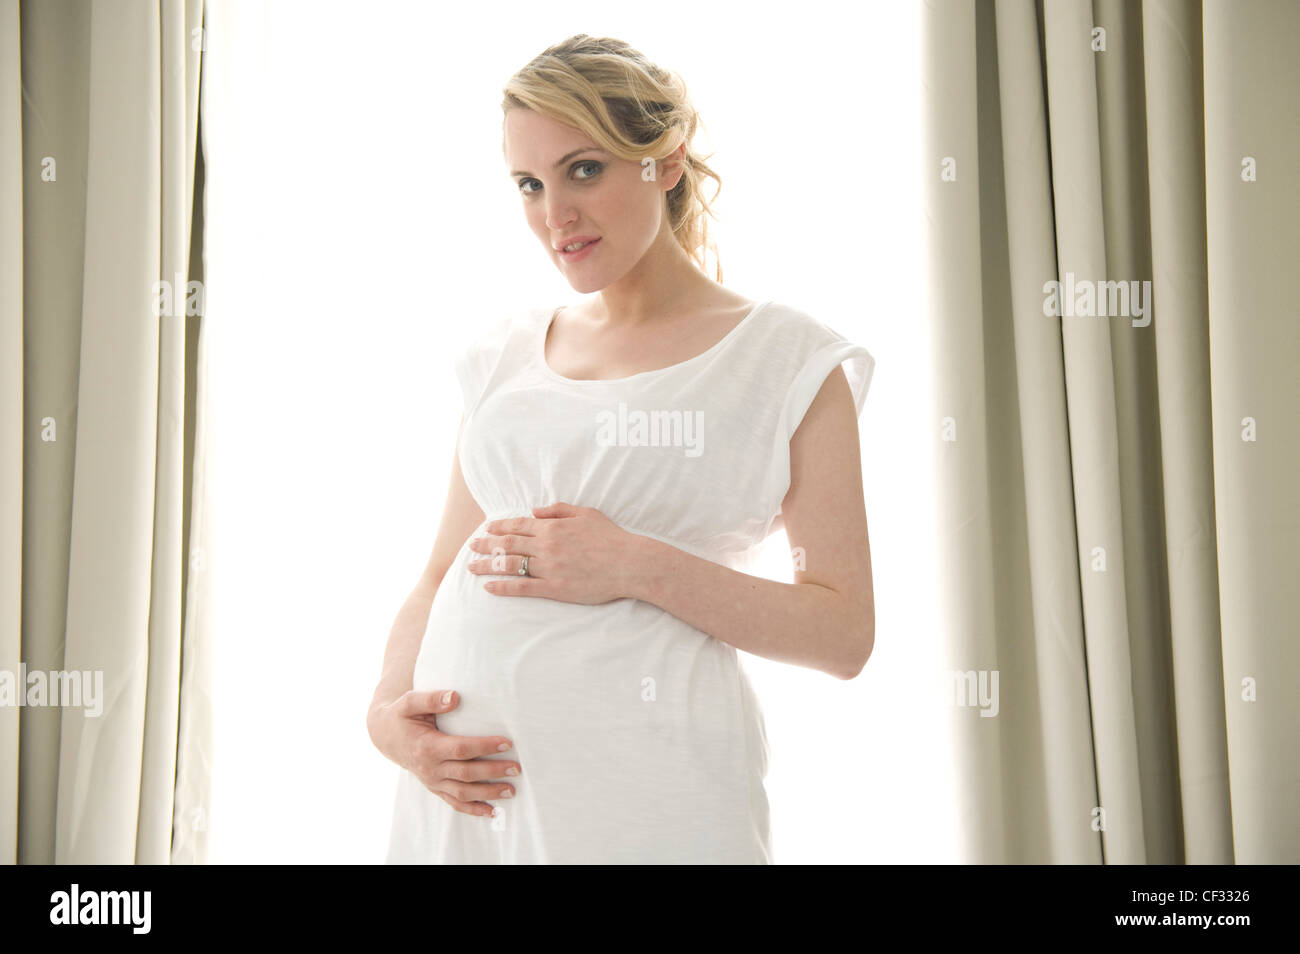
x: 575, y: 555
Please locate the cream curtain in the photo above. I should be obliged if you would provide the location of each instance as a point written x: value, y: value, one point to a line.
x: 102, y: 516
x: 1119, y: 510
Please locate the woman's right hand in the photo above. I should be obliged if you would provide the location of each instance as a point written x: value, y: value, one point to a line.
x: 453, y: 767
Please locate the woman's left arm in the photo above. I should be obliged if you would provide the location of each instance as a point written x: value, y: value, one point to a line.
x: 825, y: 620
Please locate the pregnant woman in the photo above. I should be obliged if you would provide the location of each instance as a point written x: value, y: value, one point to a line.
x: 562, y: 686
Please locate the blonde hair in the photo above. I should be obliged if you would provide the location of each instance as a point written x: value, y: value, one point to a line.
x: 631, y: 108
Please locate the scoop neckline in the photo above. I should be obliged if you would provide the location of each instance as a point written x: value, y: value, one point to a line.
x: 545, y: 325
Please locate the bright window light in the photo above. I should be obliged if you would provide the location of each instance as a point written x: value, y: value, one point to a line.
x: 362, y: 229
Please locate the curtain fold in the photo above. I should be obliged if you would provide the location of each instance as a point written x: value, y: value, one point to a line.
x: 1176, y: 181
x: 1112, y: 210
x: 101, y: 106
x: 1252, y: 85
x: 11, y: 412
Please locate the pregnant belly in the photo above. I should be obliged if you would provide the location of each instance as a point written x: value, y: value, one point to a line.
x: 618, y: 662
x: 621, y: 701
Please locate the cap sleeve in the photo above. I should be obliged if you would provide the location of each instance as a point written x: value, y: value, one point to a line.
x: 811, y: 375
x: 476, y: 362
x: 809, y: 352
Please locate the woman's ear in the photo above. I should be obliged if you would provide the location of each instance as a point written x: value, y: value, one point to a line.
x: 670, y: 169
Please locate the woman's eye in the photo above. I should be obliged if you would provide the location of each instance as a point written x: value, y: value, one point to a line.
x: 592, y: 168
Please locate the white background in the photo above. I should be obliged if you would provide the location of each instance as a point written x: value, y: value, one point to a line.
x: 361, y: 230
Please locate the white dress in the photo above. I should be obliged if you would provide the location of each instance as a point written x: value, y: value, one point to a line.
x: 639, y: 736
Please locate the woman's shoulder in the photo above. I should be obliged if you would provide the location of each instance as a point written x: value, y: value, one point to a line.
x: 807, y: 348
x: 496, y: 326
x: 496, y: 343
x: 796, y: 330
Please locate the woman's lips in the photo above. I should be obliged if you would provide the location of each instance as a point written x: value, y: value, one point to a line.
x: 580, y: 253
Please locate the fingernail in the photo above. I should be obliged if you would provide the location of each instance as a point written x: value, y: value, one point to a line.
x: 446, y: 698
x: 503, y: 747
x: 512, y: 771
x: 507, y: 794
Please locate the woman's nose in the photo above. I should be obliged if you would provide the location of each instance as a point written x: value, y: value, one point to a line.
x: 559, y: 214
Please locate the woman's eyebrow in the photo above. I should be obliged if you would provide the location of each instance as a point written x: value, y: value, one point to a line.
x: 562, y: 160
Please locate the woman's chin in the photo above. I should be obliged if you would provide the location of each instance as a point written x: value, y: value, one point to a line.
x: 584, y: 286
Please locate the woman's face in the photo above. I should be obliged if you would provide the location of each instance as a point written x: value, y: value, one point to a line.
x: 573, y: 191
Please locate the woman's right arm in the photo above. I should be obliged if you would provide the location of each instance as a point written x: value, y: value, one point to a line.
x: 461, y: 515
x: 400, y: 720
